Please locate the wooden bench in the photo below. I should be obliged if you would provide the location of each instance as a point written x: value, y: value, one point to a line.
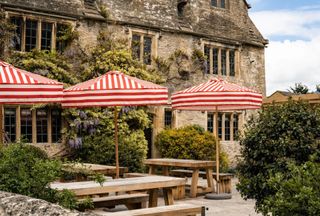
x: 172, y: 210
x: 178, y: 192
x: 225, y: 178
x: 131, y: 201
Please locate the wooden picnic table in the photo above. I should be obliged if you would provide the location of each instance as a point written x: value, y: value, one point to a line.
x: 148, y: 183
x: 195, y: 165
x: 94, y: 168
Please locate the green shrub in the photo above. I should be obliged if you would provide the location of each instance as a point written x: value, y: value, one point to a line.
x: 297, y: 192
x: 26, y: 170
x: 189, y: 142
x: 280, y: 134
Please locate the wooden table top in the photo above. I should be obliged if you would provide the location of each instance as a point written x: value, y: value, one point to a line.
x: 97, y: 168
x: 179, y: 163
x: 119, y: 185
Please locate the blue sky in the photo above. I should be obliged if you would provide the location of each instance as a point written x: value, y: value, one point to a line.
x: 293, y: 29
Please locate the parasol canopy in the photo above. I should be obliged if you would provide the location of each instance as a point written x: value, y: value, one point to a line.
x: 21, y: 87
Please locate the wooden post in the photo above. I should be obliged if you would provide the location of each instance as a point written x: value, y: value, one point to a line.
x: 1, y: 125
x: 116, y: 140
x: 217, y: 149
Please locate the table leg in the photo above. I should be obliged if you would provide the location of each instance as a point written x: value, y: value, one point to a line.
x: 165, y: 171
x: 167, y: 195
x: 194, y: 183
x: 152, y: 170
x: 153, y: 198
x: 210, y: 179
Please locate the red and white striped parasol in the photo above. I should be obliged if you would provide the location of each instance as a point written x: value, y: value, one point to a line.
x: 115, y: 89
x: 216, y: 95
x: 21, y: 87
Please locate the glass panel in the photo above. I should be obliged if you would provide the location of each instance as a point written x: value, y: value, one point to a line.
x: 147, y: 50
x: 207, y: 55
x: 167, y: 118
x: 223, y: 3
x: 135, y: 46
x: 227, y: 121
x: 235, y: 126
x: 61, y: 44
x: 232, y: 62
x: 220, y: 125
x: 210, y: 118
x: 10, y: 124
x: 46, y: 35
x: 17, y: 38
x: 215, y: 53
x: 223, y: 62
x: 42, y: 126
x: 56, y: 125
x: 26, y: 124
x: 31, y: 34
x: 214, y: 3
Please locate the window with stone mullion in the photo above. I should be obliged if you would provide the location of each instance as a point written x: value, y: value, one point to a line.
x: 26, y: 124
x: 31, y: 35
x: 147, y: 43
x: 46, y: 35
x: 17, y: 38
x: 42, y: 126
x: 232, y: 63
x: 207, y: 55
x: 10, y: 124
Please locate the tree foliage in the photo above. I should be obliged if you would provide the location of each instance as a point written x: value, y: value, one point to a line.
x: 189, y: 142
x: 299, y: 88
x: 280, y: 134
x: 297, y: 191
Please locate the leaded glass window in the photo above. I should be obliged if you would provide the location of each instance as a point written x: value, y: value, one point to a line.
x: 61, y: 43
x: 231, y: 63
x: 223, y: 3
x: 223, y: 62
x: 215, y: 59
x: 56, y: 126
x: 220, y: 125
x: 42, y: 125
x: 17, y: 38
x: 10, y: 124
x: 26, y: 124
x: 214, y: 3
x: 235, y: 126
x: 210, y: 122
x: 31, y: 34
x: 227, y: 121
x: 207, y: 55
x: 167, y: 118
x: 147, y: 50
x: 135, y: 46
x: 46, y: 35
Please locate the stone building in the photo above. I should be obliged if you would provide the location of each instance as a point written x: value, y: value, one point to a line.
x: 221, y: 29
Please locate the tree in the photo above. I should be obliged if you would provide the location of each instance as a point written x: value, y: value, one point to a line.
x: 280, y: 134
x: 299, y: 88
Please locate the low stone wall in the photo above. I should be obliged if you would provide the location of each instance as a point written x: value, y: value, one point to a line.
x: 19, y: 205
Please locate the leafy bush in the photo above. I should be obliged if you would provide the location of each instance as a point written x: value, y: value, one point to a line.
x: 297, y: 191
x: 97, y: 141
x: 26, y: 170
x: 189, y: 142
x: 280, y: 134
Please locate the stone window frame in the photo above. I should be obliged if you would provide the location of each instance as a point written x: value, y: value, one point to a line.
x: 154, y: 46
x: 34, y: 124
x: 54, y: 21
x: 228, y: 48
x: 211, y: 118
x: 219, y: 6
x: 168, y: 118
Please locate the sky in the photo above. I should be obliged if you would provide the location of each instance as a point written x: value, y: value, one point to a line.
x: 293, y: 30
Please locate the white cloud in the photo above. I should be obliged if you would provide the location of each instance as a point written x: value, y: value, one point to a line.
x: 291, y: 61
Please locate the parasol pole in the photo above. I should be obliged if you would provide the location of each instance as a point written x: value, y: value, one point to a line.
x: 217, y: 149
x: 116, y: 140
